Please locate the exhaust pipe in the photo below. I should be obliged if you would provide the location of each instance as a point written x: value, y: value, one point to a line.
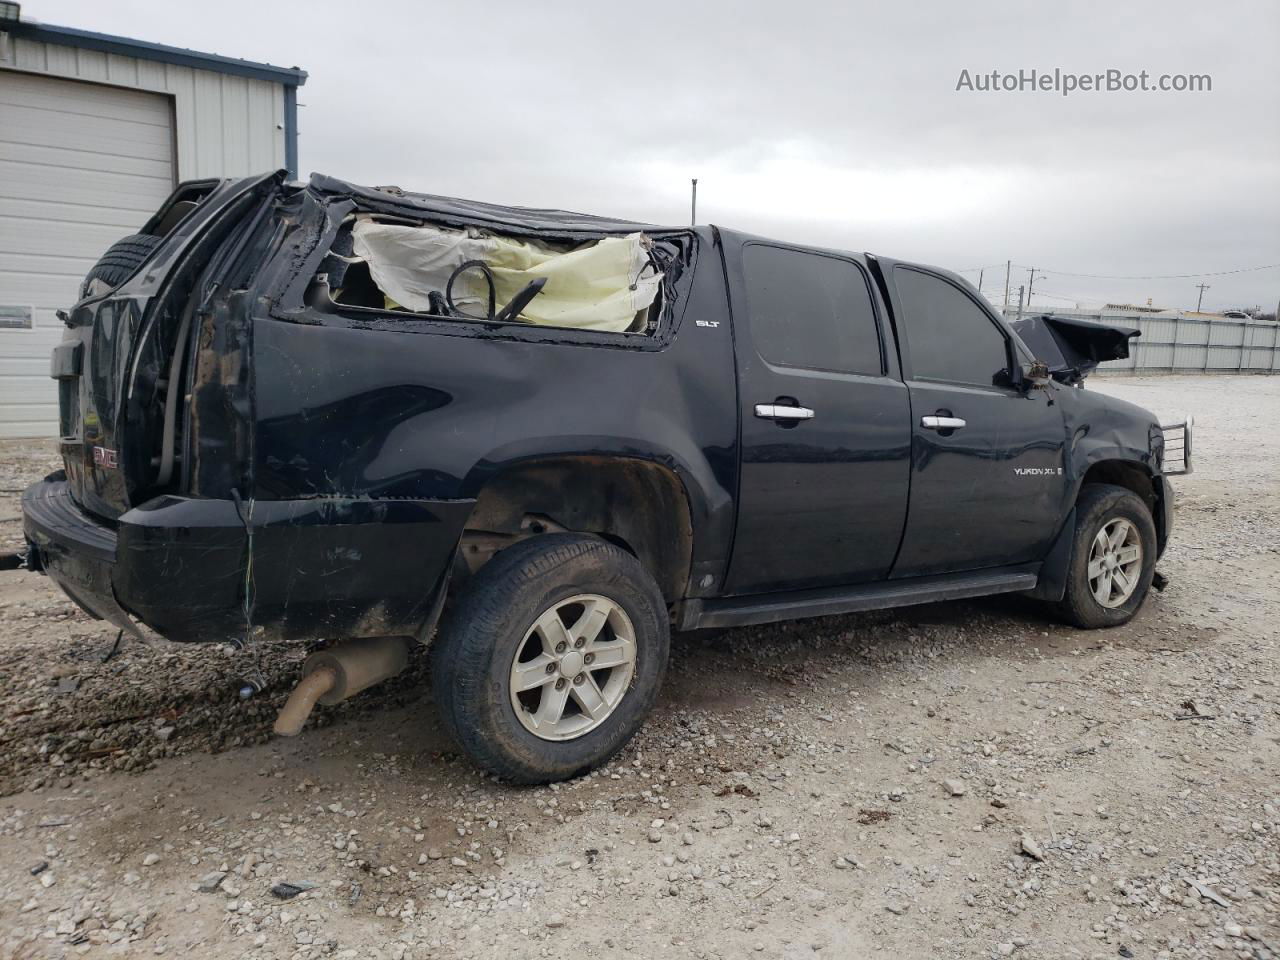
x: 333, y: 675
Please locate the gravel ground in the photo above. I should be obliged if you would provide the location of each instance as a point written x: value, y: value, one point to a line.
x: 958, y: 780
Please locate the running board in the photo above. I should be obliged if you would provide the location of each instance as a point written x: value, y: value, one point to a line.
x: 772, y: 607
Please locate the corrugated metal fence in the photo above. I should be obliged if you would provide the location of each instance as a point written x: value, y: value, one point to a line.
x: 1180, y: 344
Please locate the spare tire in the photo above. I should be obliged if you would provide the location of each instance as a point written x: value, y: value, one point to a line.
x: 121, y: 261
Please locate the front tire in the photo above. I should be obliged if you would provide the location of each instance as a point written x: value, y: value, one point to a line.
x: 552, y: 657
x: 1113, y: 558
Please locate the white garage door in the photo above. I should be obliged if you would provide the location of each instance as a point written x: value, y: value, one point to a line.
x: 81, y: 165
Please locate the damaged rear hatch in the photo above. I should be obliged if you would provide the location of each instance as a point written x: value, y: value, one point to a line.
x: 121, y: 367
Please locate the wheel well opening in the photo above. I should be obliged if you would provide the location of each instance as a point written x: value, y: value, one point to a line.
x: 1131, y: 476
x: 638, y: 505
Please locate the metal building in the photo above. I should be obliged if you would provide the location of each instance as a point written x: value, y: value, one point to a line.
x: 95, y: 131
x: 1173, y: 341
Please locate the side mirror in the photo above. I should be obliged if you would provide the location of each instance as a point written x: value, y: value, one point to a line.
x: 1036, y: 376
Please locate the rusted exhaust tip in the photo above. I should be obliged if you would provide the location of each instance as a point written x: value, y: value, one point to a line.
x: 294, y: 713
x: 331, y: 676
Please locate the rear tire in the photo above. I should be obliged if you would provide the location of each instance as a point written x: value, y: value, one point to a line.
x: 121, y: 261
x: 499, y: 655
x: 1113, y: 558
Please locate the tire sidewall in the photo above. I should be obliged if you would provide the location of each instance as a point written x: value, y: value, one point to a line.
x: 121, y: 260
x: 1099, y: 510
x: 495, y: 639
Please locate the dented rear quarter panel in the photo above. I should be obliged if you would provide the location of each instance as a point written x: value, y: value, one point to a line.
x: 412, y: 410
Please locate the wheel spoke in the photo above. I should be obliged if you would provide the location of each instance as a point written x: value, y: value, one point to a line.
x: 1095, y: 568
x: 552, y: 630
x: 588, y: 626
x: 610, y: 653
x: 589, y: 698
x: 1102, y: 592
x: 551, y: 709
x: 533, y: 674
x: 1122, y: 581
x: 1118, y: 534
x: 1129, y: 554
x: 1101, y: 543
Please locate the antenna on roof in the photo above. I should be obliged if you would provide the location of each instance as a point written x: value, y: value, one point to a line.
x: 693, y: 215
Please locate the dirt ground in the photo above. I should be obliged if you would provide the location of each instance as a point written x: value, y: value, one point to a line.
x: 1115, y: 793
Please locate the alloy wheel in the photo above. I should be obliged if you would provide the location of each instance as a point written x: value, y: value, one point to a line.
x: 573, y: 667
x: 1115, y: 562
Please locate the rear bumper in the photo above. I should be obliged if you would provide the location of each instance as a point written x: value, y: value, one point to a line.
x: 75, y: 551
x: 323, y: 567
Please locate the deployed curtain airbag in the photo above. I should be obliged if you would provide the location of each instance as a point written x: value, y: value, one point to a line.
x: 598, y: 286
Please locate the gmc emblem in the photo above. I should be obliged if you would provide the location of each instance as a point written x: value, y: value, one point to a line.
x: 107, y: 459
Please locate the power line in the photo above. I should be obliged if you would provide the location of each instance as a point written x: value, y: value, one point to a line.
x: 1059, y: 296
x: 1108, y: 276
x: 1164, y: 276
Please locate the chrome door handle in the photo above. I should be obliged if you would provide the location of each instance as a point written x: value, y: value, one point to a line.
x: 941, y: 423
x: 778, y: 411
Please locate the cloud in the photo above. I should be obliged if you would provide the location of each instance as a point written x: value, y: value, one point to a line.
x: 833, y: 123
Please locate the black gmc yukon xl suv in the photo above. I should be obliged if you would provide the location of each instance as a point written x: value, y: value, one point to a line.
x: 305, y: 411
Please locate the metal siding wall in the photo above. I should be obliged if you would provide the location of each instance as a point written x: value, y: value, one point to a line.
x: 226, y: 126
x: 222, y: 125
x: 1190, y: 344
x: 80, y: 165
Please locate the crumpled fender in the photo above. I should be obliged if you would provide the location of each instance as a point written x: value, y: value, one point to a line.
x: 1101, y: 428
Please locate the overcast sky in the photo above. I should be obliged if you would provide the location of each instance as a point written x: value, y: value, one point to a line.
x: 832, y: 123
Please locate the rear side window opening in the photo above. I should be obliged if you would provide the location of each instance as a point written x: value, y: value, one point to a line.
x: 416, y: 270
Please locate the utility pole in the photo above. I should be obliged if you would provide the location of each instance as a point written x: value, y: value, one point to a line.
x: 1202, y: 287
x: 1020, y: 289
x: 1008, y: 264
x: 693, y: 218
x: 1030, y: 284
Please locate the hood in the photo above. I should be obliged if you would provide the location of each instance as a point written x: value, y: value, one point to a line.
x: 1072, y: 347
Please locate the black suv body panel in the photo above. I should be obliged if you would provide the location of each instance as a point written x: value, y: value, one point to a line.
x: 332, y: 458
x: 321, y: 567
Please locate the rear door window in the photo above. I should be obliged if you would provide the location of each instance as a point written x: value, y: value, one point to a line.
x: 949, y: 337
x: 811, y: 311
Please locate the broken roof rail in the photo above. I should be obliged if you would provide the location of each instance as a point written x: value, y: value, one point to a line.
x: 513, y: 219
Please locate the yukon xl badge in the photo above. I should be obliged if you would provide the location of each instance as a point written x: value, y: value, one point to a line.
x: 102, y: 457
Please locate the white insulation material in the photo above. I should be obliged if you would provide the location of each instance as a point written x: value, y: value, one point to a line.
x: 598, y: 286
